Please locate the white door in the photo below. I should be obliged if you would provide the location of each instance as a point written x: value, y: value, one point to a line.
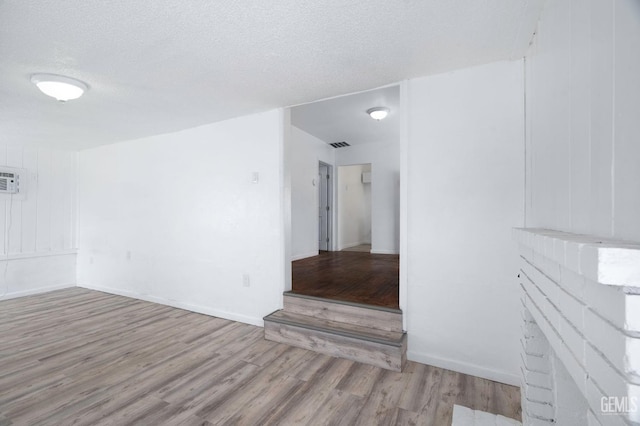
x: 324, y: 207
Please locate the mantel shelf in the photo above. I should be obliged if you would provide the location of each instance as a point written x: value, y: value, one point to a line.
x: 606, y: 261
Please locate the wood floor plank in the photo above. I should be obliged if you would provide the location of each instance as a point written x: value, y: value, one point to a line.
x: 80, y: 357
x: 371, y: 279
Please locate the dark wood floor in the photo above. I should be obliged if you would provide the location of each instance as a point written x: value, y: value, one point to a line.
x: 81, y: 357
x: 372, y: 279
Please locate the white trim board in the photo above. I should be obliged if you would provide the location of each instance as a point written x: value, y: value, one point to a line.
x: 463, y: 367
x: 38, y: 290
x: 189, y: 307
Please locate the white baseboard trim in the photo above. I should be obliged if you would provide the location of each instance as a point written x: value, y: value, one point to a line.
x: 176, y: 304
x: 304, y: 256
x: 463, y: 367
x: 38, y: 290
x: 384, y: 251
x: 349, y: 245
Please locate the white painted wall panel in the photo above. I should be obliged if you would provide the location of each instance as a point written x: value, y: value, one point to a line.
x: 176, y: 219
x: 37, y: 226
x: 353, y: 206
x: 465, y: 193
x: 583, y: 100
x: 627, y: 119
x: 306, y: 153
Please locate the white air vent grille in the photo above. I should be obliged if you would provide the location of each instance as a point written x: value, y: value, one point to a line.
x: 339, y: 144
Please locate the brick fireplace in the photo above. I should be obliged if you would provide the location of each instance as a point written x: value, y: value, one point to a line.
x: 580, y: 339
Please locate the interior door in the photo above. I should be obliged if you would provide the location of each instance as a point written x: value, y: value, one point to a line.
x: 324, y: 208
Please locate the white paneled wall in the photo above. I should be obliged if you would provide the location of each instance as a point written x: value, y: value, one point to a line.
x: 583, y: 104
x: 465, y: 192
x: 191, y: 219
x: 306, y: 153
x: 38, y: 225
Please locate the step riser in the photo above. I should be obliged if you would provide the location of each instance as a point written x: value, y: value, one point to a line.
x: 372, y: 318
x: 377, y: 354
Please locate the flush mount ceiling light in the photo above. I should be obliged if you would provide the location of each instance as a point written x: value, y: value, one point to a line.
x: 59, y: 87
x: 378, y: 113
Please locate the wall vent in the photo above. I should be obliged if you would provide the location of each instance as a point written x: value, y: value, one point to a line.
x: 339, y: 144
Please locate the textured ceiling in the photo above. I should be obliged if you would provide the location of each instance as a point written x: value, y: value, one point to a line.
x: 155, y: 66
x: 345, y: 118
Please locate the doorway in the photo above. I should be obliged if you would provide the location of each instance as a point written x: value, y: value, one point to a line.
x: 353, y: 255
x: 354, y: 208
x: 325, y: 212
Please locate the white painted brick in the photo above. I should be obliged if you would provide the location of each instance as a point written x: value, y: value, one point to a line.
x: 530, y: 421
x: 601, y: 372
x: 573, y: 282
x: 536, y: 409
x: 538, y: 244
x: 632, y: 356
x: 536, y: 363
x: 634, y: 393
x: 534, y: 346
x: 559, y: 250
x: 617, y: 347
x: 608, y: 301
x: 572, y: 309
x: 572, y: 256
x: 632, y: 312
x: 537, y: 379
x: 572, y: 339
x: 526, y: 252
x: 619, y: 265
x: 526, y: 315
x: 589, y: 261
x: 552, y: 269
x: 545, y: 308
x: 549, y: 242
x: 575, y: 370
x: 613, y: 264
x: 594, y: 398
x: 592, y: 420
x: 534, y: 393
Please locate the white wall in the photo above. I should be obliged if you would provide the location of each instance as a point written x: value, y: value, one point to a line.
x: 176, y: 218
x: 385, y: 190
x: 583, y: 104
x: 465, y: 192
x: 353, y: 206
x: 38, y: 225
x: 306, y: 153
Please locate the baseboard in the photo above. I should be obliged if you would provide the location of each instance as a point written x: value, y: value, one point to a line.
x: 304, y: 256
x: 384, y: 251
x: 463, y: 367
x: 38, y: 290
x: 350, y: 245
x: 176, y: 304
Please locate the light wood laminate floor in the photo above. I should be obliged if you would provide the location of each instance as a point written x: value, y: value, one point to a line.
x: 81, y: 357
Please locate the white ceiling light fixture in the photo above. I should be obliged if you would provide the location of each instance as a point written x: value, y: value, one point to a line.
x: 59, y: 87
x: 378, y: 113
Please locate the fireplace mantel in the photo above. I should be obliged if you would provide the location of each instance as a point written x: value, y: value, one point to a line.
x: 581, y: 306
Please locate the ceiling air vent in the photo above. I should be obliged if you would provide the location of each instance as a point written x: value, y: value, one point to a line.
x: 339, y: 144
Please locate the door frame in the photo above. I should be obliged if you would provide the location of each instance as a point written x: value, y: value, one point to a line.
x: 329, y: 179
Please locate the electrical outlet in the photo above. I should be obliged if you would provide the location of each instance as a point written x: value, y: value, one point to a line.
x: 246, y: 280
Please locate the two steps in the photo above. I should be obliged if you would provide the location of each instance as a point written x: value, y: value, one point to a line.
x: 368, y: 334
